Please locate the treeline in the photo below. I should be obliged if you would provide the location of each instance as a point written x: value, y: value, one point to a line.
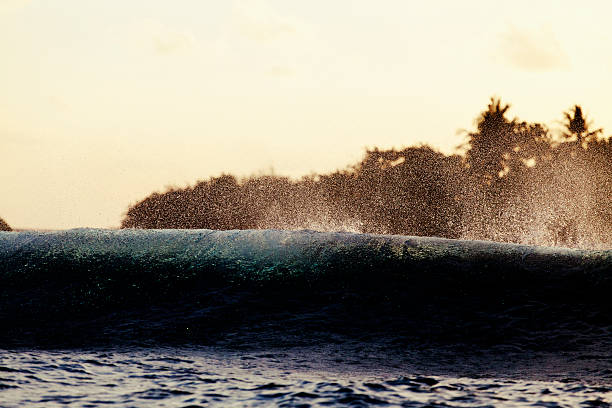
x: 4, y: 226
x: 516, y: 182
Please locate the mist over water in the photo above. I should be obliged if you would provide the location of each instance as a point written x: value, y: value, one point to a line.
x: 565, y: 208
x: 516, y: 182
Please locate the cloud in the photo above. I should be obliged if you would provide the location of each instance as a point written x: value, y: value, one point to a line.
x: 167, y: 41
x: 151, y: 35
x: 256, y: 20
x: 533, y: 50
x: 281, y: 71
x: 271, y: 40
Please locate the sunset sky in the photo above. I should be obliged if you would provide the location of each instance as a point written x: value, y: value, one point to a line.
x: 103, y: 102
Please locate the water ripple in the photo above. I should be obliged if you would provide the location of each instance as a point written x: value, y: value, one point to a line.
x: 189, y: 377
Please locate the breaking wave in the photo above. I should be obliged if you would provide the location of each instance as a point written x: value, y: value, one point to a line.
x: 202, y: 286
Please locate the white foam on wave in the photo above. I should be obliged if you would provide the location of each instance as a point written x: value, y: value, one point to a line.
x: 266, y: 245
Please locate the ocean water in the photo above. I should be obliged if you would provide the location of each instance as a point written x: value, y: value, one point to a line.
x: 199, y: 377
x: 300, y: 318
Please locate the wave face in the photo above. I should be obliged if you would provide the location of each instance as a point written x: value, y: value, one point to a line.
x: 294, y: 287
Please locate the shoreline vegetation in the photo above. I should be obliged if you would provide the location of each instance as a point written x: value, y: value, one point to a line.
x: 4, y: 226
x: 517, y: 182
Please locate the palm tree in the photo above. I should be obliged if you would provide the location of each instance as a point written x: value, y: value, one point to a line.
x: 492, y: 139
x: 577, y: 128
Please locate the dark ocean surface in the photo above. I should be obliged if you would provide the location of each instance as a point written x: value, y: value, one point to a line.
x: 302, y: 377
x: 299, y: 318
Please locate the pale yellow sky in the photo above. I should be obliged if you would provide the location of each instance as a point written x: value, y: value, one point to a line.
x: 103, y: 102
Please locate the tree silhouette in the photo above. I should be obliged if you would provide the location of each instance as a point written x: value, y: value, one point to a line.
x: 4, y: 226
x: 577, y: 128
x: 492, y: 140
x: 516, y: 183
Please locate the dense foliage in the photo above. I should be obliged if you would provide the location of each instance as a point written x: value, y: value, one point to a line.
x: 516, y: 182
x: 4, y: 226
